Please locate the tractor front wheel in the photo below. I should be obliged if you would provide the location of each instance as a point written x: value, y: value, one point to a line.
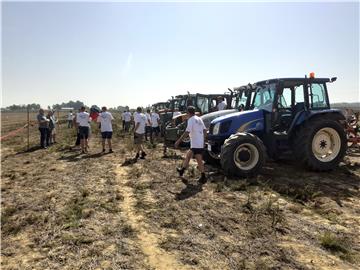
x: 243, y: 154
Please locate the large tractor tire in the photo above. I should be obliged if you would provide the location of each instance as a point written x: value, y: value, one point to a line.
x: 320, y: 144
x: 243, y: 154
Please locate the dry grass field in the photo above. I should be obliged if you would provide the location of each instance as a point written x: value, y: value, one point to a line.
x: 66, y: 210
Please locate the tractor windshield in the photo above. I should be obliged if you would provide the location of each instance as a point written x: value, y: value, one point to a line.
x: 241, y: 100
x: 264, y: 97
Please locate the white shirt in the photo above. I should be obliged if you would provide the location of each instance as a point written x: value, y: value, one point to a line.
x: 148, y: 119
x: 141, y: 119
x: 83, y: 119
x: 176, y: 114
x: 221, y: 106
x: 70, y: 116
x: 104, y: 119
x: 154, y: 119
x: 195, y: 127
x: 126, y: 116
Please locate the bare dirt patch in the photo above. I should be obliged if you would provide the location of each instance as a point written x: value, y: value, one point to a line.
x: 64, y: 210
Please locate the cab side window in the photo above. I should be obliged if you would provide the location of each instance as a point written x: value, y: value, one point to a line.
x: 317, y: 96
x: 285, y: 99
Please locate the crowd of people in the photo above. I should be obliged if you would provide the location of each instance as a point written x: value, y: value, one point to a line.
x: 144, y: 125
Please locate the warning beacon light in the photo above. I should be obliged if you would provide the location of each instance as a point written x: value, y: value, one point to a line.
x: 312, y: 75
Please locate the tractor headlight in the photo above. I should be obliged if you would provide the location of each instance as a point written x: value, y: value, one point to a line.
x: 216, y: 128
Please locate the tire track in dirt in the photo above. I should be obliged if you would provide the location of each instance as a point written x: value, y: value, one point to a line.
x: 157, y: 258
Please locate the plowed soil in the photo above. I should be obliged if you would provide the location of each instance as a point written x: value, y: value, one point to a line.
x: 66, y: 210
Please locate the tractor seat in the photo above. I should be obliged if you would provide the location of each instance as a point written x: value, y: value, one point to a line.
x: 298, y: 108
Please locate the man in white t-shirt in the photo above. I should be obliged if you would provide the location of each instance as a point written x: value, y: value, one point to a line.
x: 83, y: 120
x: 123, y: 119
x: 139, y: 131
x: 196, y: 130
x: 155, y: 123
x: 148, y: 125
x: 221, y: 105
x: 127, y: 119
x: 105, y: 119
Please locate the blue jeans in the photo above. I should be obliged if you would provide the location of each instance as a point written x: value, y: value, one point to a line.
x: 44, y: 137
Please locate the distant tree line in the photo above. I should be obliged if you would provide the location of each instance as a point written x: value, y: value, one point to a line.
x: 71, y: 104
x: 75, y: 105
x: 22, y: 107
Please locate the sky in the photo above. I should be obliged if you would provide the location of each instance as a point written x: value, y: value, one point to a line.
x: 140, y: 53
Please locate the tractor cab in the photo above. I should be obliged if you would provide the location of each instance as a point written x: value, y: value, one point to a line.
x: 286, y: 115
x: 161, y: 107
x: 203, y: 103
x: 207, y: 103
x: 240, y: 100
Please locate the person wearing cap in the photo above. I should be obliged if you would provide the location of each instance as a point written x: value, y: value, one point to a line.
x: 105, y: 118
x: 221, y: 105
x: 44, y: 129
x: 196, y: 130
x: 139, y: 131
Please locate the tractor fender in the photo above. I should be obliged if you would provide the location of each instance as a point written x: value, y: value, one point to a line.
x: 304, y: 116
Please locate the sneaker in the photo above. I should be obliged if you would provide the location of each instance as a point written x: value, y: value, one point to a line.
x: 137, y: 156
x: 111, y: 151
x: 143, y: 155
x: 202, y: 179
x: 103, y: 150
x: 180, y: 171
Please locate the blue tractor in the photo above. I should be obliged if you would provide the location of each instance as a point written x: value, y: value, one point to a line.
x: 289, y: 115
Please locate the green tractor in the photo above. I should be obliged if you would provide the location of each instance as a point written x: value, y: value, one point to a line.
x: 176, y: 105
x: 204, y: 104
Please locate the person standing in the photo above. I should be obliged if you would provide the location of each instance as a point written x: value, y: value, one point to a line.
x: 70, y: 118
x: 127, y: 120
x: 222, y: 105
x: 83, y: 120
x: 139, y: 131
x: 43, y: 128
x: 196, y: 130
x: 52, y: 127
x: 155, y: 124
x: 123, y: 119
x: 105, y: 119
x: 148, y: 130
x: 76, y: 126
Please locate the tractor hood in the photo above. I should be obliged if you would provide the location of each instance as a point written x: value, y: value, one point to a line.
x: 207, y: 118
x: 238, y: 122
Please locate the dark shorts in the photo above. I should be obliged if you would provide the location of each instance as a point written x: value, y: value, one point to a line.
x: 156, y: 129
x: 84, y: 132
x: 138, y: 138
x: 197, y: 151
x: 106, y: 134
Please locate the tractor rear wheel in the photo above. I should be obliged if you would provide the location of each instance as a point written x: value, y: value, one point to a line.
x: 320, y: 144
x: 243, y: 154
